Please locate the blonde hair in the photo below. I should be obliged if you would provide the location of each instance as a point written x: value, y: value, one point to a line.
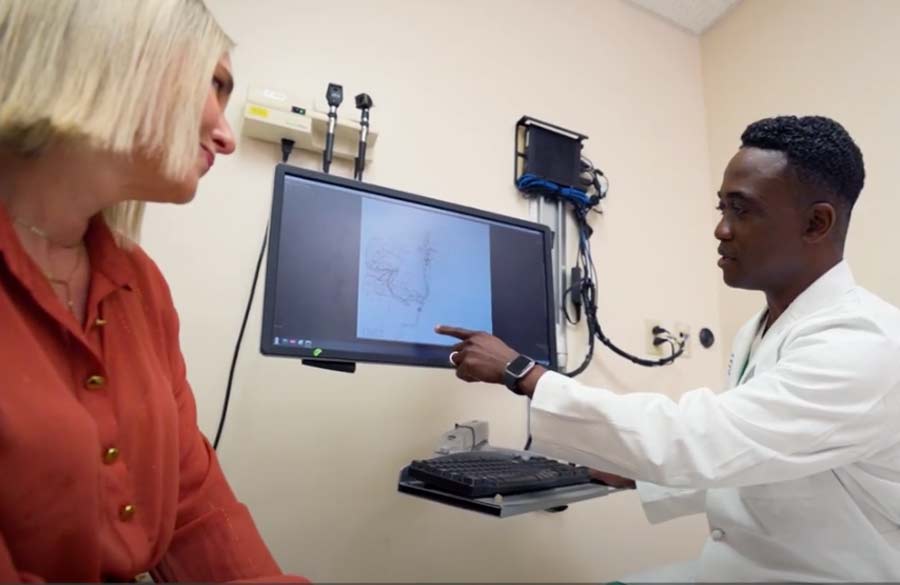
x: 122, y: 75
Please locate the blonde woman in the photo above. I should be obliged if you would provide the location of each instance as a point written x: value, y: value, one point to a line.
x: 106, y: 105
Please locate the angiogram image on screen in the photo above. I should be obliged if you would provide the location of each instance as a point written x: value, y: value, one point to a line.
x: 418, y: 269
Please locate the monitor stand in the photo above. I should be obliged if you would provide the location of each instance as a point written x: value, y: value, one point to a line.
x: 348, y: 367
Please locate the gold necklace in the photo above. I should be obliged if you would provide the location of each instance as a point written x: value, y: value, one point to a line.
x: 66, y: 283
x: 44, y: 235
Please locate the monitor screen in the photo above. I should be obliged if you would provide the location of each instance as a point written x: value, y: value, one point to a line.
x: 359, y: 273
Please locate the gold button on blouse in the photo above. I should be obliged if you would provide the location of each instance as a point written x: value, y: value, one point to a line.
x: 110, y: 455
x: 100, y: 322
x: 95, y: 382
x: 126, y: 512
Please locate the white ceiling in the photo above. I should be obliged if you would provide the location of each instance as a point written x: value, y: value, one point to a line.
x: 693, y: 15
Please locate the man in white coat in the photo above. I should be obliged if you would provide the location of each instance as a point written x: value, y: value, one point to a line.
x: 797, y: 463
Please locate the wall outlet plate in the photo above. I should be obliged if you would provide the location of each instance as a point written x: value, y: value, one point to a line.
x: 682, y: 330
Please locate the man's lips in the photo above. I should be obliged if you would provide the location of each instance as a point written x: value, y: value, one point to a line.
x: 725, y: 258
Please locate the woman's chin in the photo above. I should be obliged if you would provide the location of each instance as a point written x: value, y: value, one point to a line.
x: 185, y: 190
x: 177, y: 192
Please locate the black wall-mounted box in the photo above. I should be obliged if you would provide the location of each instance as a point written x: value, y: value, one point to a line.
x: 549, y: 152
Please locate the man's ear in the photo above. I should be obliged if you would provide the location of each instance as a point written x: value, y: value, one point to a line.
x: 821, y: 220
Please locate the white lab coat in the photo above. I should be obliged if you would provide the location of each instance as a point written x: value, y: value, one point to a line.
x: 797, y: 465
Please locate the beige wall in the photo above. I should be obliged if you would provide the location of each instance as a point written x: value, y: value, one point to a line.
x: 836, y: 58
x: 449, y: 80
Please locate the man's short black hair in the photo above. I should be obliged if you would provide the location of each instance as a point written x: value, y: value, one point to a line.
x: 819, y: 149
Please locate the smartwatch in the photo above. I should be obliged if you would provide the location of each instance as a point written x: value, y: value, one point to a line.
x: 517, y: 369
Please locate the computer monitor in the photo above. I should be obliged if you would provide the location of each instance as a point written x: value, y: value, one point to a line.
x: 360, y: 273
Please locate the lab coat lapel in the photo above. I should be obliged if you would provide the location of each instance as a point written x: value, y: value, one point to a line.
x: 821, y: 293
x: 740, y: 348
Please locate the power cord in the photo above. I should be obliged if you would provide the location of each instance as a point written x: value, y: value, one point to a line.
x: 662, y: 335
x: 287, y: 146
x: 588, y: 291
x: 583, y: 290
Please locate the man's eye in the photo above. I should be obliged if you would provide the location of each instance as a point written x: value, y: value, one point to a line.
x: 735, y: 209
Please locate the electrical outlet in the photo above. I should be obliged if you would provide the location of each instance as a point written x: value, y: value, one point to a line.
x: 675, y: 329
x: 662, y: 349
x: 682, y: 331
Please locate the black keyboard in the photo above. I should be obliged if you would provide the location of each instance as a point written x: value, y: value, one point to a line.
x: 476, y: 474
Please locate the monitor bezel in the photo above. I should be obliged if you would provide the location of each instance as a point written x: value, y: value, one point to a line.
x: 267, y: 345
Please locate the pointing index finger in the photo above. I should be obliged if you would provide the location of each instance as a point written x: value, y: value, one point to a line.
x: 457, y: 332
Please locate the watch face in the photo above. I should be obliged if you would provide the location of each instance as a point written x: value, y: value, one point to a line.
x: 519, y: 366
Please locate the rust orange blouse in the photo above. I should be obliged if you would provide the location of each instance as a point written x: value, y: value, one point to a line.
x: 103, y: 471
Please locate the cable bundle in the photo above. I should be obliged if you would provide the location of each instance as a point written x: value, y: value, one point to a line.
x: 583, y: 289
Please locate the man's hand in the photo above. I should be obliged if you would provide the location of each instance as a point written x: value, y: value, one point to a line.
x: 479, y: 356
x: 612, y: 479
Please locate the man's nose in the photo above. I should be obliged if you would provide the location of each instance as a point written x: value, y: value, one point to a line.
x: 723, y: 230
